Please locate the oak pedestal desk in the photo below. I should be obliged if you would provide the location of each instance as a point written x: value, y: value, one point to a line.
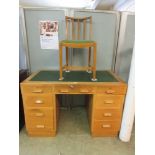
x: 41, y: 104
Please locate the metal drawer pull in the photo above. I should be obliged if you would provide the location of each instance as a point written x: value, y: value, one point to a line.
x: 40, y: 126
x: 110, y: 91
x: 64, y: 91
x: 108, y: 101
x: 37, y: 91
x: 106, y: 126
x: 108, y: 114
x: 38, y: 101
x: 39, y: 114
x: 84, y: 91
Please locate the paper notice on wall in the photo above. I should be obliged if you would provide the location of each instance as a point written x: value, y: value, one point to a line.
x: 49, y: 34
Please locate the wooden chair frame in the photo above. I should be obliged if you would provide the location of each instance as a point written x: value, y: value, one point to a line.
x: 71, y: 43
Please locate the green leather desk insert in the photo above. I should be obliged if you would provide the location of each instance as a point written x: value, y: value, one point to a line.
x: 74, y: 76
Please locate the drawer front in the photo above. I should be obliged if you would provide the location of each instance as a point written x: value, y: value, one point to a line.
x: 37, y: 89
x: 111, y: 90
x: 39, y: 123
x: 108, y: 101
x: 107, y: 114
x: 101, y: 126
x: 41, y: 128
x: 42, y: 100
x: 65, y: 89
x: 87, y: 89
x: 41, y: 114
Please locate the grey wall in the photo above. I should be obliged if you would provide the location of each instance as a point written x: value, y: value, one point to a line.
x: 22, y: 52
x: 41, y: 59
x: 125, y: 45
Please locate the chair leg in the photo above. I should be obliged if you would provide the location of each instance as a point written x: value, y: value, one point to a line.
x: 60, y: 62
x: 89, y: 58
x: 94, y: 64
x: 67, y: 58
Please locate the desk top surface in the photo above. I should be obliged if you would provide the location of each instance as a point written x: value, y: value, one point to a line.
x: 73, y: 76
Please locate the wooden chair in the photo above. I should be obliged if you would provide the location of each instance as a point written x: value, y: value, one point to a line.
x: 73, y: 40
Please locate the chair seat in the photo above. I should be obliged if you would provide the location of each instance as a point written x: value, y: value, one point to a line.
x: 77, y: 41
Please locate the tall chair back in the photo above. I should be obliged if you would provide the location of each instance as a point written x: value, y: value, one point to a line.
x: 76, y: 28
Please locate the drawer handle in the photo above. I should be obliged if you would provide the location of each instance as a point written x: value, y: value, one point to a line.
x: 84, y: 91
x: 106, y: 126
x: 39, y: 114
x: 39, y: 102
x: 110, y: 91
x: 108, y: 102
x: 37, y: 91
x: 107, y: 114
x: 71, y: 86
x: 64, y: 91
x: 40, y: 126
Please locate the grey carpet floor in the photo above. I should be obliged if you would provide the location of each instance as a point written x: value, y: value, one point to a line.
x: 73, y: 138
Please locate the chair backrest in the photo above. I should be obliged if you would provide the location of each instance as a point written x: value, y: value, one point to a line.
x: 74, y: 27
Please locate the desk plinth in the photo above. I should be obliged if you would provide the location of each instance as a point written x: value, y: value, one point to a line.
x: 41, y: 105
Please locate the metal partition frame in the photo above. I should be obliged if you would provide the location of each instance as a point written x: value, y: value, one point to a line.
x: 24, y: 38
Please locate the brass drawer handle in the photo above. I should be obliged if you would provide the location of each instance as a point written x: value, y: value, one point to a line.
x: 39, y: 114
x: 37, y: 91
x: 40, y: 126
x: 84, y: 91
x: 106, y: 126
x: 110, y: 91
x: 64, y: 91
x: 108, y: 102
x: 107, y: 114
x: 39, y: 102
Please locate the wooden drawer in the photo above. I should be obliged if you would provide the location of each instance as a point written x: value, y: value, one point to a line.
x: 42, y: 100
x: 112, y: 90
x: 108, y: 101
x: 40, y: 128
x: 74, y: 89
x: 41, y: 114
x: 37, y: 89
x: 107, y: 114
x: 39, y: 123
x: 103, y: 126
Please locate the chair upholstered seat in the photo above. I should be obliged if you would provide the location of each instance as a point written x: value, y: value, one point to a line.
x: 77, y: 41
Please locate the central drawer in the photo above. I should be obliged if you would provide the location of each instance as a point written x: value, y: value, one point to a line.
x: 41, y: 100
x: 74, y: 89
